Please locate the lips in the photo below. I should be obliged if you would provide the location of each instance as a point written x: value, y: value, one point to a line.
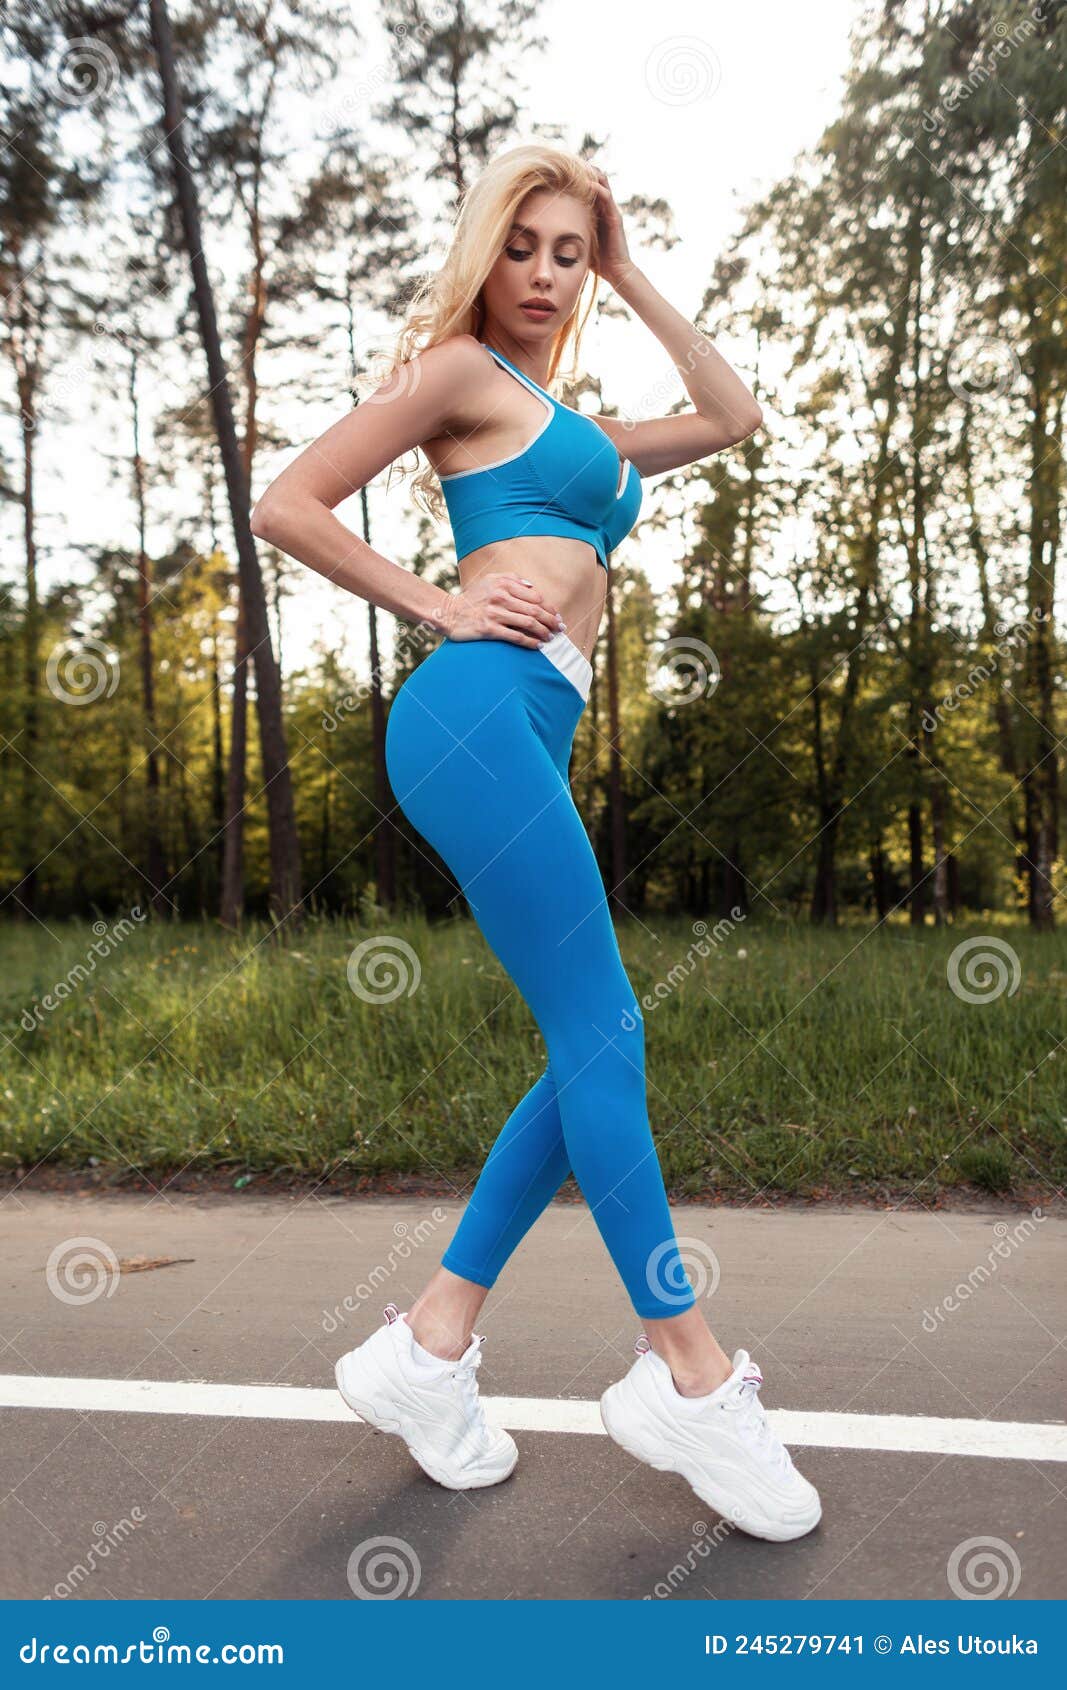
x: 535, y: 310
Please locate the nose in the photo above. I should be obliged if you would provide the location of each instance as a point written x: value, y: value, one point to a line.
x: 542, y: 274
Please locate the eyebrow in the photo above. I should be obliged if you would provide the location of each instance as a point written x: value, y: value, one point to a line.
x: 524, y: 229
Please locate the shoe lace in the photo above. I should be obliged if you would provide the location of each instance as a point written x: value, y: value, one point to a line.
x: 752, y: 1419
x: 467, y: 1374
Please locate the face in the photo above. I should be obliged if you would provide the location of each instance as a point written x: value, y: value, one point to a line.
x: 545, y: 258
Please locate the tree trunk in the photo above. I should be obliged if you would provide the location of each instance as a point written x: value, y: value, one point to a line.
x: 824, y: 891
x: 25, y: 891
x: 1042, y: 773
x: 937, y: 828
x: 232, y: 891
x: 285, y: 886
x: 876, y: 863
x: 156, y: 873
x: 917, y: 898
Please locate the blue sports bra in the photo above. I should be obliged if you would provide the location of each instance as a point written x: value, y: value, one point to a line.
x: 569, y: 480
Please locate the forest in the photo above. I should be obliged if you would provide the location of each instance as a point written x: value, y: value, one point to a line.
x: 845, y: 704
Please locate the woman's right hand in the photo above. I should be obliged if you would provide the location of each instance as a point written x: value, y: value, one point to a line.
x: 501, y: 607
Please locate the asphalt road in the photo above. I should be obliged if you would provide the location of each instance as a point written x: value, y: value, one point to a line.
x: 855, y: 1315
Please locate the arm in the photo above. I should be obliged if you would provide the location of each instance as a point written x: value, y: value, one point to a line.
x: 423, y: 398
x: 726, y: 411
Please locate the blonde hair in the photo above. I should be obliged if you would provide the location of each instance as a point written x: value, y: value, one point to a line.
x: 448, y: 303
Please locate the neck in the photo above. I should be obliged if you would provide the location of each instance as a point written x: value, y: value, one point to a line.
x: 532, y: 360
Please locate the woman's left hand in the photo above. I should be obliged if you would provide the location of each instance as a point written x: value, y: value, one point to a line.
x: 615, y: 261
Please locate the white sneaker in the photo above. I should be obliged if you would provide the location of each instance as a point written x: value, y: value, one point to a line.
x: 722, y: 1444
x: 436, y: 1411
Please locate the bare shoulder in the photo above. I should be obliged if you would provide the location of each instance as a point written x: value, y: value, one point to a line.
x: 460, y: 365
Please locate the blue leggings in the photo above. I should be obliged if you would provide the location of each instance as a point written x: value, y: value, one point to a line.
x: 478, y: 749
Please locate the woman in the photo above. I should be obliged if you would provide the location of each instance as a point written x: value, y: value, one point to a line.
x: 477, y: 749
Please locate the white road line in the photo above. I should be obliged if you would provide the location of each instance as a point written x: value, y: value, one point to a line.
x: 1002, y: 1440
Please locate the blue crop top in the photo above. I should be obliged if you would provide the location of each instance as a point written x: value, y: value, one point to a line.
x: 569, y: 480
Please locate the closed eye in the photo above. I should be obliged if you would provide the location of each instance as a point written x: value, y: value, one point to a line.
x: 518, y: 254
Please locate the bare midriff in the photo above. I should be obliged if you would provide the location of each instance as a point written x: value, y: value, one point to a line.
x: 567, y: 573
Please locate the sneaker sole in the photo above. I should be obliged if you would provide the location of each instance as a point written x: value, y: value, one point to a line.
x: 473, y: 1480
x: 656, y: 1454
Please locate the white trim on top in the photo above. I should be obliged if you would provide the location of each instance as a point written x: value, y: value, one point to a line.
x: 624, y: 463
x: 569, y: 659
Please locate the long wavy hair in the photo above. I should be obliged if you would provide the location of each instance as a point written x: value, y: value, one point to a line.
x: 449, y: 302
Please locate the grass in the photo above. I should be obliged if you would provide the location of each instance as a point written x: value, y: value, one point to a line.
x: 786, y: 1061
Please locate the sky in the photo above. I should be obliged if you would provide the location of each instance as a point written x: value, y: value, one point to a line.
x: 703, y: 105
